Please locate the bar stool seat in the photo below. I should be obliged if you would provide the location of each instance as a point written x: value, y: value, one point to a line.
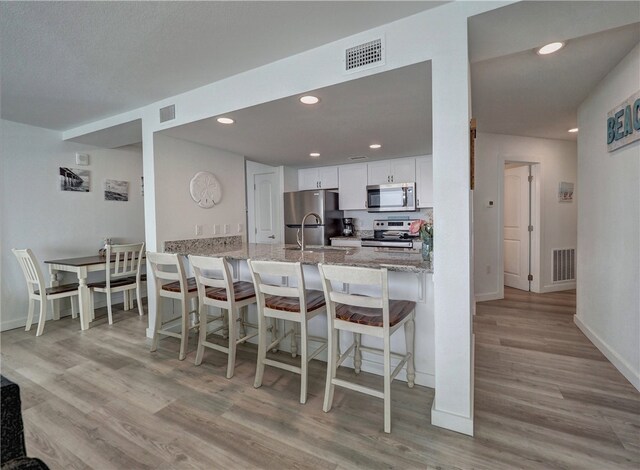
x: 398, y: 311
x: 242, y: 291
x: 175, y: 286
x: 314, y: 299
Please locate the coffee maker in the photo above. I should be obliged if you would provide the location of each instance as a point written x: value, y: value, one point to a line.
x: 347, y: 227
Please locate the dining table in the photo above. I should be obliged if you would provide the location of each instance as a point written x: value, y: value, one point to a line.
x: 81, y: 266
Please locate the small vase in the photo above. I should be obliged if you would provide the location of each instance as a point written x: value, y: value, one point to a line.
x: 427, y: 248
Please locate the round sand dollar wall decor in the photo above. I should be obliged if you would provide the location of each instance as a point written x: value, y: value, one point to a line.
x: 205, y: 189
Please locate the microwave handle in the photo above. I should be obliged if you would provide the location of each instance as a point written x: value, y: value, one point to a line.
x: 404, y: 197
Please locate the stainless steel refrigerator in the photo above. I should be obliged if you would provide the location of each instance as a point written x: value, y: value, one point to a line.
x: 321, y: 201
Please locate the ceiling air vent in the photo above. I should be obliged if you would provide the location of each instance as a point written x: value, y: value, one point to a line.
x: 168, y: 113
x: 364, y: 56
x: 355, y: 159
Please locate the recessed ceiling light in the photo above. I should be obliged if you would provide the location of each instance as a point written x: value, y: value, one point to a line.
x: 550, y: 48
x: 575, y: 129
x: 375, y: 146
x: 225, y: 120
x: 308, y: 99
x: 314, y: 154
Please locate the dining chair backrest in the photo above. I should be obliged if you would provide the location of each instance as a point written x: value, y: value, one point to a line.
x: 355, y: 276
x: 31, y: 270
x: 167, y: 267
x: 125, y: 262
x: 286, y: 271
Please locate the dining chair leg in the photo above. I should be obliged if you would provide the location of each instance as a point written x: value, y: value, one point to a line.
x: 157, y: 324
x: 357, y: 353
x: 109, y: 311
x: 139, y: 297
x: 184, y: 340
x: 233, y: 338
x: 202, y: 334
x: 304, y: 373
x: 43, y: 316
x: 387, y: 384
x: 32, y: 306
x: 332, y: 349
x: 409, y: 335
x: 262, y: 349
x: 74, y: 306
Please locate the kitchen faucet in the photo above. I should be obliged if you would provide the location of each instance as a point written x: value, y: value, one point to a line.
x: 318, y: 221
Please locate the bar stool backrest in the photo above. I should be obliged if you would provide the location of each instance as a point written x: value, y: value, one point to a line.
x: 212, y: 272
x: 264, y: 269
x: 166, y: 268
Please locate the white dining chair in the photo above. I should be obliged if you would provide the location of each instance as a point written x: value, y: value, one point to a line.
x: 38, y: 291
x: 122, y: 272
x: 216, y: 288
x: 293, y: 304
x: 171, y: 282
x: 374, y: 316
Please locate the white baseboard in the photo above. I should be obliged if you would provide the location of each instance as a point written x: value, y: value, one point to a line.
x: 558, y: 287
x: 487, y: 296
x: 454, y: 422
x: 619, y: 363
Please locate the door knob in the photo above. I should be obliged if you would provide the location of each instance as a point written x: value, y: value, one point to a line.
x: 271, y: 236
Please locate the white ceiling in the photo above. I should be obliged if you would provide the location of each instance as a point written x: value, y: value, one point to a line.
x: 65, y: 64
x: 391, y: 108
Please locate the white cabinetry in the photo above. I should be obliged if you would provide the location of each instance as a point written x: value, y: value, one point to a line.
x: 325, y: 177
x: 352, y: 187
x: 399, y: 170
x: 424, y: 181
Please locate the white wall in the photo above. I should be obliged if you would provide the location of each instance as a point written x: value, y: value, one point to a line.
x: 36, y: 214
x: 557, y: 160
x: 608, y: 290
x: 176, y: 162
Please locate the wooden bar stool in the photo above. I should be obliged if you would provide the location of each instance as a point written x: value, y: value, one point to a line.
x: 168, y: 267
x: 294, y: 304
x: 38, y: 290
x: 220, y: 291
x: 374, y: 316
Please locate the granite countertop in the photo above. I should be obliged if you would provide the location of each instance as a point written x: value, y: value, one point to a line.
x: 349, y: 256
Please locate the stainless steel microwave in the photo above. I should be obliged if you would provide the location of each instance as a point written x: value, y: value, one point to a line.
x: 394, y: 197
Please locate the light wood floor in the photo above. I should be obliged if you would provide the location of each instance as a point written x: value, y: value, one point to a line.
x: 545, y: 398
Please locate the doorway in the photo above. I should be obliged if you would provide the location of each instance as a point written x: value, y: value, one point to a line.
x: 520, y: 222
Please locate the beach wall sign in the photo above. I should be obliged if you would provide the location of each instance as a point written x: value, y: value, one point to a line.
x: 623, y: 123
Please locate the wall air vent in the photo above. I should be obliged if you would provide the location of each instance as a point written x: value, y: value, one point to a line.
x: 168, y: 113
x: 364, y: 56
x: 564, y: 265
x: 358, y: 158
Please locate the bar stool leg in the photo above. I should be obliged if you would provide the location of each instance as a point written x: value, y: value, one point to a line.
x: 409, y: 335
x: 357, y: 353
x: 387, y: 384
x: 185, y: 330
x: 157, y: 324
x: 262, y: 349
x: 304, y: 361
x: 332, y: 350
x: 202, y: 334
x: 233, y: 338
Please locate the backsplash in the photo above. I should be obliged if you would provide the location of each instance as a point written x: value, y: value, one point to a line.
x: 363, y: 220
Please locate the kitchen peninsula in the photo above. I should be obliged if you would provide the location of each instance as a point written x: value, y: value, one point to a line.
x: 410, y: 278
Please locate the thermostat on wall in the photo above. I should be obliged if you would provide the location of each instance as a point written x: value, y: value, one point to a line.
x: 82, y: 158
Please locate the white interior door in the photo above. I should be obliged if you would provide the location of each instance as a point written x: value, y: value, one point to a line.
x: 516, y: 227
x: 266, y: 193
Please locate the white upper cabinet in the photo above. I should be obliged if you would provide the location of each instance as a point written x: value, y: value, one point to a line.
x: 399, y: 170
x: 325, y: 177
x: 424, y: 181
x: 352, y: 187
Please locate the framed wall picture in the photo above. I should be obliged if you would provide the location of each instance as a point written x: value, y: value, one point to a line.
x: 565, y: 192
x: 74, y: 179
x: 115, y: 190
